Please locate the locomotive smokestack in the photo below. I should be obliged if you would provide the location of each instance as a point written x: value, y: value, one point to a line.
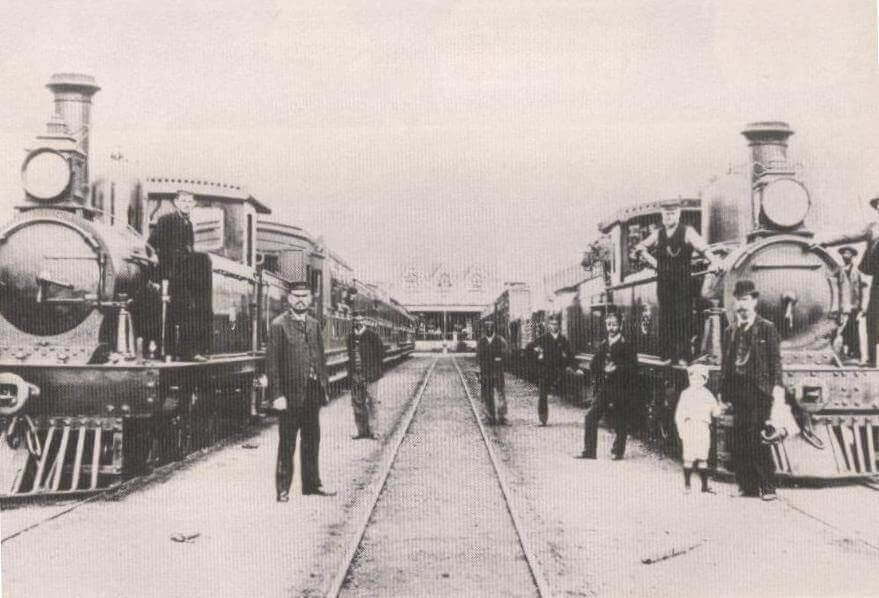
x: 73, y: 104
x: 768, y: 143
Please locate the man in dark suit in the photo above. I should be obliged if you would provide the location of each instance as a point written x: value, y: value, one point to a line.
x: 491, y: 351
x: 751, y: 381
x: 298, y: 383
x: 173, y: 239
x: 854, y: 295
x: 614, y: 373
x: 553, y: 354
x: 365, y: 363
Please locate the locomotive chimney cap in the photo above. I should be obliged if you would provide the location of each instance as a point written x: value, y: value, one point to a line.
x: 80, y: 82
x: 770, y: 131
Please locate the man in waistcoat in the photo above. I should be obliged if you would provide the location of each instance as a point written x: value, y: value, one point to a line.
x: 365, y: 364
x: 751, y: 380
x: 298, y: 383
x: 614, y: 373
x: 869, y: 265
x: 553, y: 354
x: 491, y: 352
x: 673, y: 245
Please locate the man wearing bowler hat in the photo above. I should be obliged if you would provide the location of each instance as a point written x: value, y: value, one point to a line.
x: 673, y: 244
x: 869, y: 265
x: 853, y: 306
x: 554, y: 357
x: 298, y: 383
x: 751, y: 381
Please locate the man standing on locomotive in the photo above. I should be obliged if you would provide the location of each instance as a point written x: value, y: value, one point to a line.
x: 553, y: 353
x: 614, y: 374
x: 491, y: 351
x: 173, y: 238
x: 674, y: 244
x: 870, y: 266
x: 365, y: 353
x: 853, y: 305
x: 751, y: 381
x: 298, y: 384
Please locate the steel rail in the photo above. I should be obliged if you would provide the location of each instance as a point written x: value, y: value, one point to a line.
x: 536, y: 575
x: 338, y: 579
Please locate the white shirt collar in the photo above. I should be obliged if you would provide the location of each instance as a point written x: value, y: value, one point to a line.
x: 295, y: 316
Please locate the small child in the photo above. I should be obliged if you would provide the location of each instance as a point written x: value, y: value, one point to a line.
x: 693, y: 416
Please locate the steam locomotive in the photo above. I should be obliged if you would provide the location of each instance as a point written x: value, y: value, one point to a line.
x: 759, y: 221
x: 90, y: 391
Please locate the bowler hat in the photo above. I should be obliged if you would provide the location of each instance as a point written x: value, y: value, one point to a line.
x: 357, y: 313
x: 553, y: 318
x: 745, y: 287
x: 299, y: 285
x: 672, y: 204
x: 847, y: 249
x: 873, y: 202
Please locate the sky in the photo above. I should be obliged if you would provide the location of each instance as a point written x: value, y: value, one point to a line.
x: 497, y: 133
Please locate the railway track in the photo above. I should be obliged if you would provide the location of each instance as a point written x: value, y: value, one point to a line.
x: 440, y: 517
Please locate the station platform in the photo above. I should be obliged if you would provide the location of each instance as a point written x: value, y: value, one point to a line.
x: 597, y: 527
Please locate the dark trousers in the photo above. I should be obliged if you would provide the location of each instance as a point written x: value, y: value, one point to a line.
x: 618, y: 421
x: 290, y: 422
x: 546, y: 382
x: 751, y: 459
x: 489, y: 385
x: 850, y: 336
x: 674, y: 318
x: 872, y: 318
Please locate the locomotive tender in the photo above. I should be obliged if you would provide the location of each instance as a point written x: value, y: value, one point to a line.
x: 759, y: 221
x: 89, y: 390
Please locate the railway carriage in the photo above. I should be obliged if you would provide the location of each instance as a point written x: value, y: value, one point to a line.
x: 90, y: 392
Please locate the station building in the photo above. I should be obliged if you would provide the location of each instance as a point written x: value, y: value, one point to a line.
x: 447, y: 299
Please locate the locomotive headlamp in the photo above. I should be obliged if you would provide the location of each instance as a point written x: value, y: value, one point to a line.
x: 785, y: 203
x: 14, y: 393
x: 46, y: 174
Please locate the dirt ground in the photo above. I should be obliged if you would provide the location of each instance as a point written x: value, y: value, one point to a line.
x: 440, y: 527
x: 592, y: 524
x: 247, y: 545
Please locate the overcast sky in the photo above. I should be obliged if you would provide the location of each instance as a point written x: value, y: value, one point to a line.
x: 496, y: 132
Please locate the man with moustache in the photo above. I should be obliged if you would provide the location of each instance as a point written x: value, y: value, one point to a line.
x: 298, y: 384
x: 553, y: 353
x: 674, y: 244
x: 751, y: 381
x: 614, y: 373
x: 491, y: 351
x: 365, y: 363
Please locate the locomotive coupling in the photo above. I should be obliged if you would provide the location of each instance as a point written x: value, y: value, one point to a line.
x: 14, y: 393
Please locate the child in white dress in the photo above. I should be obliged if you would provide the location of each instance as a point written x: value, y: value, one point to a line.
x: 695, y: 409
